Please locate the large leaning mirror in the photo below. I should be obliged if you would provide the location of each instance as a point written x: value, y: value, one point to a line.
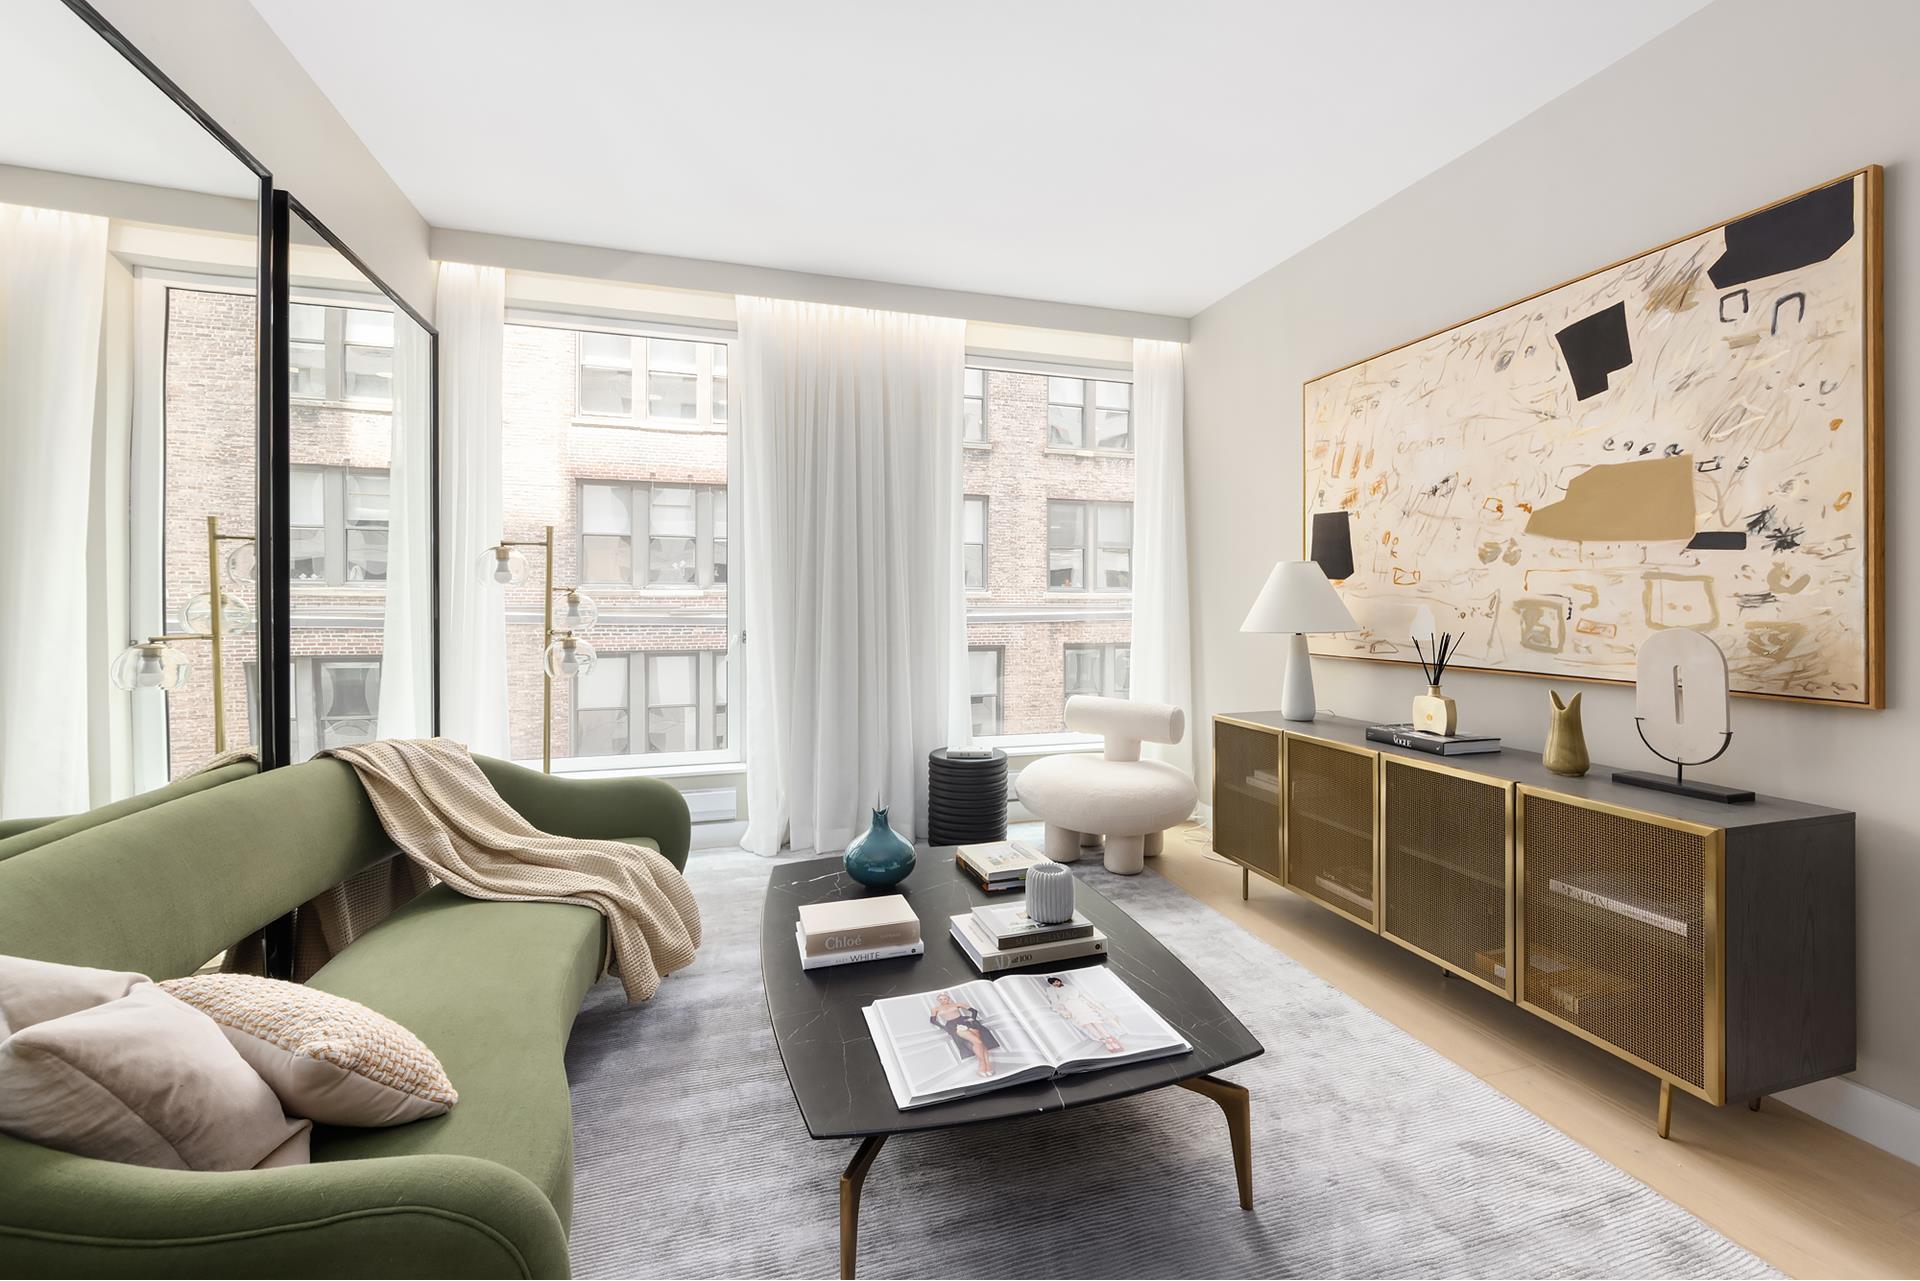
x: 360, y: 373
x: 129, y: 417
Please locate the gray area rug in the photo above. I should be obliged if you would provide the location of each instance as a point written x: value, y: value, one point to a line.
x: 1373, y: 1155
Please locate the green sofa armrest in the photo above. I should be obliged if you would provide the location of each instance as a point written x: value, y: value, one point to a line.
x: 17, y: 836
x: 608, y: 809
x: 15, y: 826
x: 400, y: 1216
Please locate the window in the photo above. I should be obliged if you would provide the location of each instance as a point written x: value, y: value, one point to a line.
x: 336, y: 701
x: 1089, y: 546
x: 339, y: 354
x: 983, y: 690
x: 1090, y: 413
x: 974, y: 407
x: 1098, y: 669
x: 683, y: 381
x: 686, y: 535
x: 680, y: 696
x: 973, y: 542
x: 337, y: 521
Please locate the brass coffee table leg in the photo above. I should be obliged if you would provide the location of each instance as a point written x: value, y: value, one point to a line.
x: 1238, y: 1105
x: 850, y: 1201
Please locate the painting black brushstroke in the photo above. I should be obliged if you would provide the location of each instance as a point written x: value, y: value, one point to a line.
x: 1719, y: 540
x: 1594, y: 347
x: 1796, y: 234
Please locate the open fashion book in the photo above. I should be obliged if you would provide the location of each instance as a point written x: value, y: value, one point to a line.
x: 981, y: 1035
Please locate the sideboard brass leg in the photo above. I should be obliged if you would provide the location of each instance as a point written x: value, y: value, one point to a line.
x: 1238, y: 1105
x: 1666, y: 1108
x: 850, y: 1201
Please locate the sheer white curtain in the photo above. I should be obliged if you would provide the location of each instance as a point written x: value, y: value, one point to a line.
x: 406, y: 643
x: 850, y: 484
x: 470, y: 312
x: 1162, y: 647
x: 52, y: 286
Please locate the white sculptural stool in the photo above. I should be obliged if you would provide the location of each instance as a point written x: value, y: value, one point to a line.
x: 1117, y: 795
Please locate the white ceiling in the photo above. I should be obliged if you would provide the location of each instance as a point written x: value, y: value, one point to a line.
x: 1140, y: 154
x: 71, y: 104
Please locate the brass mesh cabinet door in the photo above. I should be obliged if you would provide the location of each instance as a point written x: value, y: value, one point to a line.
x: 1618, y: 921
x: 1246, y: 796
x: 1445, y: 863
x: 1329, y: 825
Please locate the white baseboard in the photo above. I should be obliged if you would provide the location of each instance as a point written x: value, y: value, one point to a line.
x: 1863, y: 1112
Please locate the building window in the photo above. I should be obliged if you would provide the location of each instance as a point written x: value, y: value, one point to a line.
x: 983, y: 690
x: 686, y: 535
x: 974, y: 407
x: 683, y: 381
x: 339, y: 354
x: 337, y: 522
x: 1089, y: 546
x: 336, y: 702
x: 1090, y: 413
x: 681, y: 697
x: 1098, y: 669
x: 973, y: 542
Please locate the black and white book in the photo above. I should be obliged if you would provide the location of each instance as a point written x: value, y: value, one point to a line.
x: 1008, y: 925
x: 1420, y: 740
x: 985, y: 1034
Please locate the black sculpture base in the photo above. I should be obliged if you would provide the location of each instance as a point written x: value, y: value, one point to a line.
x: 1682, y: 787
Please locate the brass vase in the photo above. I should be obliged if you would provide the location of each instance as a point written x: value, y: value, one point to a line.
x: 1566, y: 741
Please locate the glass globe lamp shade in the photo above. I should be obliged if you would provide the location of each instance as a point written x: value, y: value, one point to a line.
x: 235, y: 614
x: 578, y: 611
x: 150, y: 665
x: 503, y: 565
x: 569, y: 656
x: 243, y: 562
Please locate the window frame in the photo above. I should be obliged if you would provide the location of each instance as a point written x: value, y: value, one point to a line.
x: 708, y: 498
x: 985, y: 544
x: 334, y: 527
x: 999, y: 695
x: 707, y: 344
x: 334, y: 345
x: 709, y: 706
x: 985, y: 439
x: 1090, y: 547
x: 1089, y: 407
x: 1107, y: 656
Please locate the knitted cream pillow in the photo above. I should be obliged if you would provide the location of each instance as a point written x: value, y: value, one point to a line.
x: 329, y: 1059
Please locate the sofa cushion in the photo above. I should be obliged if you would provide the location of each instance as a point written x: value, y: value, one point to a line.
x: 328, y: 1058
x: 492, y: 989
x: 22, y: 835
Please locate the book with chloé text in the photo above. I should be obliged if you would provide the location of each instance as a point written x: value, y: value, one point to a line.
x: 845, y: 927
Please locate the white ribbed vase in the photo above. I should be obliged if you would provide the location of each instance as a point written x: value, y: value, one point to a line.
x: 1049, y: 894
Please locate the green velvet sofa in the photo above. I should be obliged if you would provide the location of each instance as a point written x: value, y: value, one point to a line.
x: 18, y: 835
x: 492, y: 988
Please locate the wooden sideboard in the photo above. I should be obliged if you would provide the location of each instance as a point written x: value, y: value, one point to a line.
x: 1711, y: 945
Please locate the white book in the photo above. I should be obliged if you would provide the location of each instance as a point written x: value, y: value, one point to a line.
x: 989, y: 958
x: 808, y: 962
x: 984, y: 1034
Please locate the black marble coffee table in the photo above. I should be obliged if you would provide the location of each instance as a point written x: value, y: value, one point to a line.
x: 836, y: 1074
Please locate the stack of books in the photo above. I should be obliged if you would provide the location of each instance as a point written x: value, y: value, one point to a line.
x: 1405, y: 735
x: 1000, y: 866
x: 857, y: 929
x: 1001, y: 936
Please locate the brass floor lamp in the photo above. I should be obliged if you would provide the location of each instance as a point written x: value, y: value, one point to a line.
x: 566, y: 654
x: 155, y: 664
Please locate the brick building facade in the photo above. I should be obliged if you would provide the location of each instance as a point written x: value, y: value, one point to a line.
x: 621, y: 444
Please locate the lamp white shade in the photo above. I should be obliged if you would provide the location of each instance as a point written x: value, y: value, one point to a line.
x: 1298, y: 598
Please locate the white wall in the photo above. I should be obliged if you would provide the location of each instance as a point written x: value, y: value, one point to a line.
x: 227, y: 59
x: 1746, y: 102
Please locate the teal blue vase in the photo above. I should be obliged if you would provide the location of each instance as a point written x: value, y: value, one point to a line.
x: 880, y: 856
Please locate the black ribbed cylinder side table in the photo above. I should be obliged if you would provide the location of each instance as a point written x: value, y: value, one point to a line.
x: 966, y: 798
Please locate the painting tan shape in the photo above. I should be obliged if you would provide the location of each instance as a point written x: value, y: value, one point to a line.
x: 1647, y: 501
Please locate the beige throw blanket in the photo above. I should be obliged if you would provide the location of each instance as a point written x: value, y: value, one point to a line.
x: 445, y: 816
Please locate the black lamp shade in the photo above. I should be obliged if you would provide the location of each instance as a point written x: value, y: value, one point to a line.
x: 1332, y: 545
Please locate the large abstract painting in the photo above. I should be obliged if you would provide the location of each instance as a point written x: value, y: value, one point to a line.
x: 1689, y: 438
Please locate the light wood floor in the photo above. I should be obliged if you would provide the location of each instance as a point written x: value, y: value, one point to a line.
x: 1810, y: 1200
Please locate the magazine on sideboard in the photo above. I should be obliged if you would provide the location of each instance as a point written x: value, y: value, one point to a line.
x: 978, y: 1036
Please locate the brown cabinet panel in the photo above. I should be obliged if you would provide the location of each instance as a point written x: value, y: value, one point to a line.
x: 1246, y: 796
x: 1618, y: 922
x: 1330, y: 825
x: 1446, y: 863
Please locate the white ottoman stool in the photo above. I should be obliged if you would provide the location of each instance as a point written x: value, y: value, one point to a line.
x: 1129, y: 801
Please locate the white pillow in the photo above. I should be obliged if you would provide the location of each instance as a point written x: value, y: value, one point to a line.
x: 137, y: 1077
x: 329, y: 1059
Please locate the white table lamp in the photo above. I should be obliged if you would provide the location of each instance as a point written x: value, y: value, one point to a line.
x: 1298, y: 600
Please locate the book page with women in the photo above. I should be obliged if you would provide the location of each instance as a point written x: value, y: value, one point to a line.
x: 982, y: 1035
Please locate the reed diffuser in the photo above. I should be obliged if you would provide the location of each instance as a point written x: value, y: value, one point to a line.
x: 1433, y: 711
